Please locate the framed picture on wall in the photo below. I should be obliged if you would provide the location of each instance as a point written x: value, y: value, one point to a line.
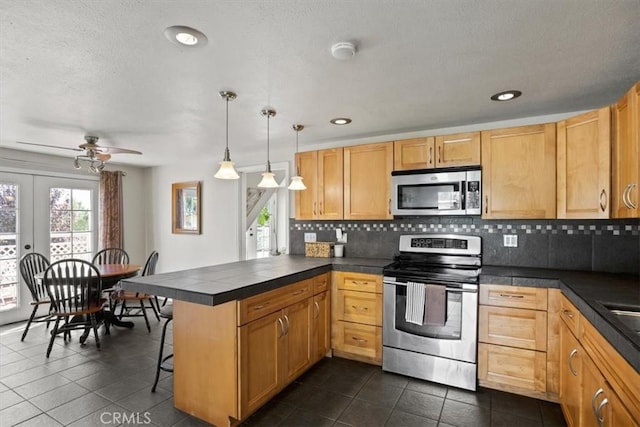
x: 185, y: 208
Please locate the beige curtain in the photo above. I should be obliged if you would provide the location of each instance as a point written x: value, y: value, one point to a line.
x: 110, y: 210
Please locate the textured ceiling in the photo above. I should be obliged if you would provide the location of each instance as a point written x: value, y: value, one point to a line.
x: 71, y: 67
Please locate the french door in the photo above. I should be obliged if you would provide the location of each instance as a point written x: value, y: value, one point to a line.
x: 54, y: 216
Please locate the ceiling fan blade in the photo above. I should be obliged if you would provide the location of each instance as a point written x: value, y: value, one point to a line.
x: 51, y: 146
x: 107, y: 150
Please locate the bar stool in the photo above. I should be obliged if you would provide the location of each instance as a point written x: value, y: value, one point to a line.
x: 166, y: 313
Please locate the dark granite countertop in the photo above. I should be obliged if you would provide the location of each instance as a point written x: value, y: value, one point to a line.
x: 588, y: 291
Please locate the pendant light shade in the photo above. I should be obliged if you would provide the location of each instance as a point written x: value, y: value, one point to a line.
x: 268, y: 177
x: 296, y: 181
x: 227, y: 169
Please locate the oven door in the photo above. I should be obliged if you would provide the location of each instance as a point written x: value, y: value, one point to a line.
x: 457, y: 339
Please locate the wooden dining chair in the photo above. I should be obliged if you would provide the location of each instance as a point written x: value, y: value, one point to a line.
x: 75, y: 288
x: 111, y: 256
x: 134, y: 304
x: 32, y: 264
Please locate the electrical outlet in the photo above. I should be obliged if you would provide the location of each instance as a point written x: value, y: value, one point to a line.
x: 309, y: 237
x: 510, y: 240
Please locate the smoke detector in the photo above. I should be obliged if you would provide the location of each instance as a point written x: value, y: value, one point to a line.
x: 343, y: 50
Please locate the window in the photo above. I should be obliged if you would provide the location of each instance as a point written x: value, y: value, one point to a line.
x: 8, y: 246
x: 70, y: 213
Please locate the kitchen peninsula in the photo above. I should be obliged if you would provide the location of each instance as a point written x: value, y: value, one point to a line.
x: 222, y: 378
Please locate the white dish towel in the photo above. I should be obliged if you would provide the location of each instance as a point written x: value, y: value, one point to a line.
x: 414, y: 311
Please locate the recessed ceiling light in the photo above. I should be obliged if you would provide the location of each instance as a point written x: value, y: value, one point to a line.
x: 340, y: 121
x: 185, y: 36
x: 507, y: 95
x: 343, y: 50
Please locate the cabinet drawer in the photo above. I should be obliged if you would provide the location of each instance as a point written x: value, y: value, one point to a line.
x: 267, y: 302
x: 514, y: 296
x: 569, y: 315
x: 363, y: 340
x: 321, y: 283
x: 525, y: 369
x: 359, y: 282
x: 360, y: 307
x: 513, y: 327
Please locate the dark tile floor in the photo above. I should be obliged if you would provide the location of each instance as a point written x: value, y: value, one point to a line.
x: 80, y: 386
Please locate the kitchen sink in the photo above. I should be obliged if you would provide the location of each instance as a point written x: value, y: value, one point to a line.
x: 629, y: 316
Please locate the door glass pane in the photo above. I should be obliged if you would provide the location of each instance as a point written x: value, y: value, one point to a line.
x: 8, y: 246
x: 70, y: 232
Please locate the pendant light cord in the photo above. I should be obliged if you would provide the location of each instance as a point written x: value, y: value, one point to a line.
x: 297, y: 165
x: 268, y: 162
x: 227, y: 134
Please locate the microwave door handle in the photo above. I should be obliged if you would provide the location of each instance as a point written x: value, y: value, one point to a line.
x: 463, y: 195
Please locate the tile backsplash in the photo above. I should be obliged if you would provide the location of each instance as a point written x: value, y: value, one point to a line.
x: 591, y: 245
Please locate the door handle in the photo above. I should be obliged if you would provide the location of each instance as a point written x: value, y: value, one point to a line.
x: 389, y: 206
x: 281, y: 327
x: 593, y: 401
x: 603, y: 195
x: 631, y: 187
x: 316, y: 309
x: 286, y: 318
x: 625, y: 194
x: 486, y: 204
x: 430, y: 155
x: 439, y: 154
x: 599, y: 416
x: 571, y: 356
x: 314, y: 208
x: 568, y: 314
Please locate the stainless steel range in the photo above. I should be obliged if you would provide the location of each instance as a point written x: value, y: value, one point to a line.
x: 431, y: 309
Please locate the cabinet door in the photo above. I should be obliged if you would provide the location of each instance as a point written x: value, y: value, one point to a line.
x: 321, y: 325
x: 306, y: 200
x: 261, y: 346
x: 416, y: 153
x: 513, y: 327
x: 367, y: 181
x: 584, y: 170
x: 330, y: 184
x: 519, y: 172
x: 571, y: 354
x: 626, y: 155
x: 298, y: 319
x: 516, y: 367
x: 462, y: 149
x: 360, y: 340
x: 360, y: 307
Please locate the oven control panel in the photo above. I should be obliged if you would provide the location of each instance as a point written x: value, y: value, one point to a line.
x: 457, y: 244
x: 426, y: 242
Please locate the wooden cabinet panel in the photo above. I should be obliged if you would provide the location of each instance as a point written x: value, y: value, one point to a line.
x: 571, y: 355
x: 267, y: 302
x: 626, y: 155
x: 524, y: 369
x: 322, y: 283
x: 462, y: 149
x: 519, y: 172
x: 514, y: 327
x: 358, y: 339
x: 321, y: 325
x: 514, y: 296
x: 584, y: 165
x: 569, y: 315
x: 307, y: 200
x: 367, y: 181
x: 416, y: 153
x: 360, y: 307
x: 261, y: 362
x: 358, y: 281
x: 298, y: 320
x: 330, y: 184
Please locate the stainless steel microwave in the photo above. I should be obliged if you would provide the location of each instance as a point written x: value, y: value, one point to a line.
x: 447, y: 191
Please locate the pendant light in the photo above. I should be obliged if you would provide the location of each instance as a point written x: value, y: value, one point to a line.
x: 268, y: 180
x: 227, y: 170
x: 296, y: 181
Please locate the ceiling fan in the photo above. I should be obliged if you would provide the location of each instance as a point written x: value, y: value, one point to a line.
x: 93, y: 154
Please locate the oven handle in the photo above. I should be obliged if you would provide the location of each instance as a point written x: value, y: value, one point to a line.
x: 459, y: 290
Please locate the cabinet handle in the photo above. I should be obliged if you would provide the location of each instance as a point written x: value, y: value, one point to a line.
x: 511, y: 296
x: 316, y: 308
x: 261, y: 306
x: 568, y: 314
x: 359, y: 282
x: 359, y: 340
x: 314, y: 208
x: 603, y: 195
x: 430, y: 155
x: 389, y: 206
x: 593, y: 401
x: 625, y: 195
x: 439, y: 154
x: 281, y: 327
x: 571, y: 356
x: 301, y: 291
x: 486, y: 204
x: 599, y: 416
x: 631, y: 187
x: 320, y: 208
x: 286, y: 318
x: 359, y: 308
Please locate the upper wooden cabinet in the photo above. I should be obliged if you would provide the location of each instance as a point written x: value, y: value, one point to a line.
x: 367, y: 181
x: 626, y: 155
x: 584, y: 171
x: 322, y: 172
x: 519, y: 172
x: 461, y: 149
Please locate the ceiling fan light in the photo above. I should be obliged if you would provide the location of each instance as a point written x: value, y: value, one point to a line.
x: 93, y: 169
x: 268, y: 181
x: 226, y: 171
x: 297, y: 184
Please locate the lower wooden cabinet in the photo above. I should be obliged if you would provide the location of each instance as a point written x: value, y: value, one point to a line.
x: 321, y: 325
x: 500, y: 366
x: 571, y: 355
